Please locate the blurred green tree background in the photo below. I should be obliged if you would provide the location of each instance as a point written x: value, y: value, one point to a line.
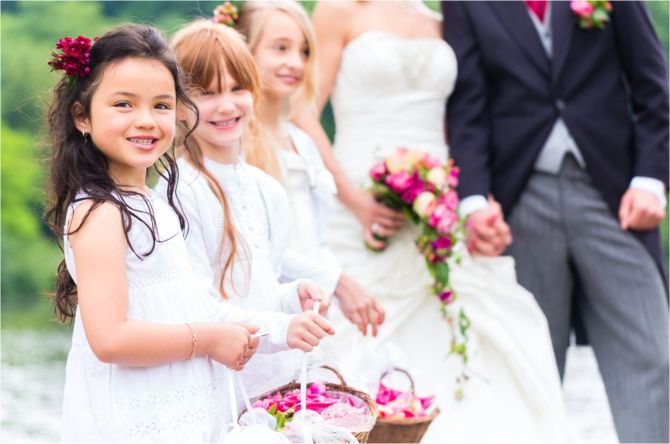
x: 29, y: 30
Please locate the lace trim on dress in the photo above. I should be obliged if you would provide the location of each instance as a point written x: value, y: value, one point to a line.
x: 165, y: 413
x: 141, y: 279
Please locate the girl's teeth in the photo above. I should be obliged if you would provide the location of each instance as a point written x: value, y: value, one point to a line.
x: 225, y: 123
x: 143, y: 141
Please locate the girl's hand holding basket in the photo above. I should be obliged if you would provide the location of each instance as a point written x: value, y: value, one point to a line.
x: 306, y: 330
x: 310, y: 293
x: 231, y: 344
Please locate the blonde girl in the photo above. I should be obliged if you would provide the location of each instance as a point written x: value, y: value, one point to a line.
x: 281, y: 39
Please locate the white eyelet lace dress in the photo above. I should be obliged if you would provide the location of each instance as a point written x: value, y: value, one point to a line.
x: 178, y: 402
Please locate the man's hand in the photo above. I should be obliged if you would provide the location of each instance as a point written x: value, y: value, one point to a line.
x: 640, y: 210
x: 487, y: 232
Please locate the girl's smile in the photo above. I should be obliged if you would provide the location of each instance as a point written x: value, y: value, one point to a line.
x: 225, y: 109
x: 289, y: 79
x: 226, y: 125
x: 144, y: 143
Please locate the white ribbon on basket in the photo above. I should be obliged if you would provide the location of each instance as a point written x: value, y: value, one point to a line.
x: 255, y: 425
x: 307, y: 424
x: 306, y: 428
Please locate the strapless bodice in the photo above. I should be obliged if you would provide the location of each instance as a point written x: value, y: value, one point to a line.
x: 391, y: 91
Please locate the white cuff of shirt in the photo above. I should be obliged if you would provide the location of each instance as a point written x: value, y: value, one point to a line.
x: 654, y: 186
x: 471, y: 204
x: 277, y: 339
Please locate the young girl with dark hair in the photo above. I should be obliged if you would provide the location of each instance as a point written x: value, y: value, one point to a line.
x: 147, y: 340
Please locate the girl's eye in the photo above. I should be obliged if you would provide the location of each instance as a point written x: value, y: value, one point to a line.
x: 163, y: 106
x: 122, y: 105
x: 208, y: 93
x: 280, y: 48
x: 236, y: 88
x: 305, y: 52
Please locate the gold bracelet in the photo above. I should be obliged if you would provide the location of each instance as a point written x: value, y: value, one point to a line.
x: 194, y: 339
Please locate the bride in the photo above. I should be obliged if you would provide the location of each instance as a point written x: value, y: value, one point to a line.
x: 389, y: 74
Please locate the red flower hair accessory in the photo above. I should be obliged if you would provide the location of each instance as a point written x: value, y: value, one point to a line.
x: 72, y: 56
x: 226, y: 14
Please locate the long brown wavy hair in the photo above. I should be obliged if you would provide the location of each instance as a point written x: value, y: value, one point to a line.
x: 77, y: 165
x: 202, y: 48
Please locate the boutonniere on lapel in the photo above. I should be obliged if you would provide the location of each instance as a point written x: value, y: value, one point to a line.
x: 591, y: 13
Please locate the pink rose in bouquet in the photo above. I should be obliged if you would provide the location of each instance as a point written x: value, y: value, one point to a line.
x: 437, y: 176
x: 452, y: 180
x: 450, y: 199
x: 412, y: 192
x: 379, y: 171
x: 424, y: 204
x: 399, y: 181
x: 430, y: 161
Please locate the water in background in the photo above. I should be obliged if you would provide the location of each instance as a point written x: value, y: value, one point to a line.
x: 31, y: 384
x: 33, y: 375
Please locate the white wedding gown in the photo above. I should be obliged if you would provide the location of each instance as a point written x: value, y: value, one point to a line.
x: 391, y: 92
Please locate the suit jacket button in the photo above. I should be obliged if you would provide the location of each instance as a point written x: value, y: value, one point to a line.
x: 560, y: 105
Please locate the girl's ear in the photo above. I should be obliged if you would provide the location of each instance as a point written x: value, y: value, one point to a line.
x: 81, y: 121
x: 182, y: 114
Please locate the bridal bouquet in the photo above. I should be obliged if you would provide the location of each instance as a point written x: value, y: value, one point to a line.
x: 420, y: 186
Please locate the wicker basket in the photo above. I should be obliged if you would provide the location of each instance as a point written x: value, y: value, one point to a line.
x: 362, y: 437
x: 401, y: 430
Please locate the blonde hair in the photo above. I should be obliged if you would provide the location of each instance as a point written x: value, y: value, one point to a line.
x: 202, y: 47
x: 253, y: 18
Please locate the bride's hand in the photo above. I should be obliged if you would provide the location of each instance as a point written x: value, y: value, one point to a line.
x: 358, y: 305
x: 378, y: 220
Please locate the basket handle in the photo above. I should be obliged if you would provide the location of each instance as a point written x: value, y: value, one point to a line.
x: 401, y: 370
x: 337, y: 373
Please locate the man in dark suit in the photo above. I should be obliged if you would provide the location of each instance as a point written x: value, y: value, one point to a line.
x: 566, y: 127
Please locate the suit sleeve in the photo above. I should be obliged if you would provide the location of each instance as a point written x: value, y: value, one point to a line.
x: 645, y: 70
x: 467, y: 123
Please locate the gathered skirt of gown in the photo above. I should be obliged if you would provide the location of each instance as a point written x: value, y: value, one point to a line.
x: 514, y: 393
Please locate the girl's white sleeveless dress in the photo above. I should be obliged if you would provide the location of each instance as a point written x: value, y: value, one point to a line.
x: 391, y: 92
x: 178, y: 402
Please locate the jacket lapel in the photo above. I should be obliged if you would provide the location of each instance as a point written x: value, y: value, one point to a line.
x: 562, y: 24
x: 519, y: 25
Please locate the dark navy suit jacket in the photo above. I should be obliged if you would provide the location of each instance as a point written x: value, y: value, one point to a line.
x: 610, y: 86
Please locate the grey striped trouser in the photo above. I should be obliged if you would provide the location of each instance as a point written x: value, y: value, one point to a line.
x: 563, y: 231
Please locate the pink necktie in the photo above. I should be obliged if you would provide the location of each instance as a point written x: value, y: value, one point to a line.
x: 539, y: 7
